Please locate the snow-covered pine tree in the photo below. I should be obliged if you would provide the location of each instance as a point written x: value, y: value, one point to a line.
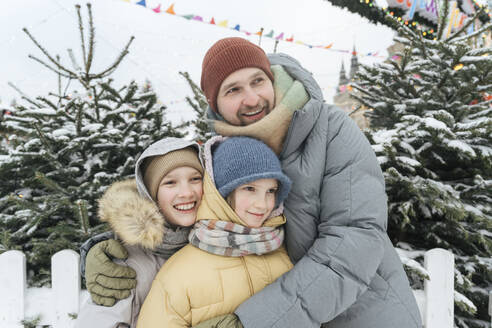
x: 199, y: 104
x: 432, y: 131
x: 65, y: 149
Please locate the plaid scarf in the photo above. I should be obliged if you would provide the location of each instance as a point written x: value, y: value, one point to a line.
x: 231, y: 239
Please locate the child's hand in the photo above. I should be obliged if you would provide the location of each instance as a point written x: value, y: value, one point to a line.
x: 223, y: 321
x: 108, y: 282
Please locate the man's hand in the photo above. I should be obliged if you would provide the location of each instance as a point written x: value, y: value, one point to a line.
x: 108, y: 282
x: 223, y: 321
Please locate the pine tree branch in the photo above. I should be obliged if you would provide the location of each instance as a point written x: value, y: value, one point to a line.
x: 80, y: 212
x: 471, y: 35
x: 465, y: 26
x: 82, y: 38
x: 24, y: 96
x: 106, y: 87
x: 59, y: 97
x: 480, y: 105
x: 74, y: 61
x: 51, y: 59
x: 44, y: 140
x: 442, y: 19
x: 78, y: 120
x: 49, y: 183
x: 96, y: 103
x: 92, y: 33
x: 66, y: 88
x: 59, y: 80
x: 58, y: 72
x: 21, y: 203
x: 421, y: 45
x: 47, y: 102
x: 118, y: 60
x: 479, y: 51
x: 197, y: 92
x: 65, y: 113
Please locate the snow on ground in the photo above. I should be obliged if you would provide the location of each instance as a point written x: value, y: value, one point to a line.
x: 166, y: 44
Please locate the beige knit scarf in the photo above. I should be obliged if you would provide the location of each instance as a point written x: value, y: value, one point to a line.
x: 290, y: 96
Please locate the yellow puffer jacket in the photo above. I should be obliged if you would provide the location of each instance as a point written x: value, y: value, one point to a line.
x: 194, y: 285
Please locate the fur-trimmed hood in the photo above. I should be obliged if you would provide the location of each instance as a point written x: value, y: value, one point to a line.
x: 131, y: 212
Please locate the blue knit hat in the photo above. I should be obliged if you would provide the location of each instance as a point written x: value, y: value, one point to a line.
x: 239, y: 160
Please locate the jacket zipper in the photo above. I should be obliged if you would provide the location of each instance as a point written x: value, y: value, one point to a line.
x: 249, y: 277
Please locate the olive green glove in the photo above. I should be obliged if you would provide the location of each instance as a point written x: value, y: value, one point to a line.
x: 106, y: 281
x: 223, y: 321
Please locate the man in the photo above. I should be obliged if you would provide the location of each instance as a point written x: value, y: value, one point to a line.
x: 347, y: 273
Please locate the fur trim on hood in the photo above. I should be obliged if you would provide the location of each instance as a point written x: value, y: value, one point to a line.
x: 135, y: 219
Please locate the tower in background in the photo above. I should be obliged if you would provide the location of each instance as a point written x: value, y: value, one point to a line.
x: 343, y: 99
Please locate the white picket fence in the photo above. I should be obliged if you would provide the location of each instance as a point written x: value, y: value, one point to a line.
x: 59, y: 305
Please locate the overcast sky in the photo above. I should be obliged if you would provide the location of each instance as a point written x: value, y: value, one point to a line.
x: 167, y: 44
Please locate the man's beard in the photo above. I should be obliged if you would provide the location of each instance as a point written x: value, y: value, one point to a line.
x: 259, y: 112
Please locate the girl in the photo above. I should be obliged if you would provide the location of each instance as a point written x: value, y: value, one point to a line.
x: 235, y: 247
x: 152, y: 215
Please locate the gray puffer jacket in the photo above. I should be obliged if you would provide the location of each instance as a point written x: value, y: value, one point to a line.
x: 149, y: 240
x: 347, y: 273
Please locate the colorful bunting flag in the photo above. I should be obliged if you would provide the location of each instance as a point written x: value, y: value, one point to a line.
x: 170, y: 10
x: 279, y: 37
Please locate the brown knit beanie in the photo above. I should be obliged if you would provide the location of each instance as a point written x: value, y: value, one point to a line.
x: 156, y: 167
x: 225, y: 57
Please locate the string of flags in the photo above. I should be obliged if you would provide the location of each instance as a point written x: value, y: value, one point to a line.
x: 277, y: 37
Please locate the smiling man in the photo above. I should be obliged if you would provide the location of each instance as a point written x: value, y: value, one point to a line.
x: 246, y: 96
x: 347, y: 273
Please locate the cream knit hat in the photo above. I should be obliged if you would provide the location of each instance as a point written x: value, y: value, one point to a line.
x: 157, y: 167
